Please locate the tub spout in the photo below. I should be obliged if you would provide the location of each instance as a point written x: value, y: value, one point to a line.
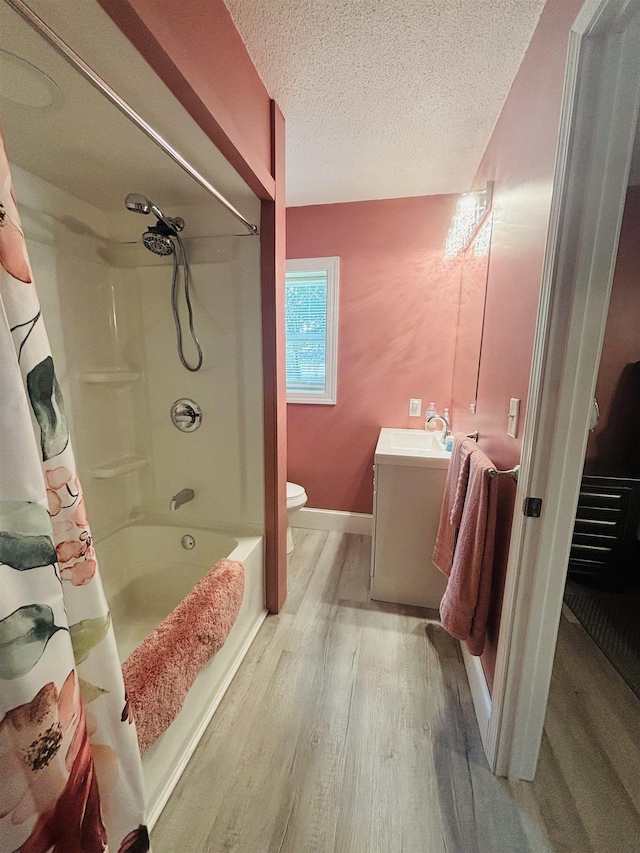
x: 183, y: 496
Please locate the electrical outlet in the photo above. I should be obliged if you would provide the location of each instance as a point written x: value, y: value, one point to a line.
x: 415, y: 408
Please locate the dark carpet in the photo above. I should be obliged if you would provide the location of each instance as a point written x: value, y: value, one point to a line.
x: 613, y: 620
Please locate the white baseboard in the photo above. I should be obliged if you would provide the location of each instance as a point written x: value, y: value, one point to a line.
x: 479, y: 692
x: 334, y: 519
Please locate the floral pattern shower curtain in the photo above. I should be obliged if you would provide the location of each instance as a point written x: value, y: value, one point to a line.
x: 70, y: 773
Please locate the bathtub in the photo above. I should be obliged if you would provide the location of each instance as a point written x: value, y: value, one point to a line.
x: 146, y: 572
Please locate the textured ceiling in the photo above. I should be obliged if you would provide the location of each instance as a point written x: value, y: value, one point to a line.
x: 385, y: 98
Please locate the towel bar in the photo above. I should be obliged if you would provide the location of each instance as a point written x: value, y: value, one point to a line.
x: 512, y: 473
x: 493, y: 472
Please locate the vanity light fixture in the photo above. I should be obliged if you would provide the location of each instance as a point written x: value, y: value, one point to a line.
x: 469, y: 214
x: 482, y: 242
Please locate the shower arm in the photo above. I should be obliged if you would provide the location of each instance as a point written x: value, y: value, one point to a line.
x: 103, y: 87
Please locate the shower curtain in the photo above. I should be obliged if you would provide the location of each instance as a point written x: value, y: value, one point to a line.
x: 70, y: 773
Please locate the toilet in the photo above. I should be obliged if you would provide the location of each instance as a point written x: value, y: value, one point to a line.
x: 296, y: 499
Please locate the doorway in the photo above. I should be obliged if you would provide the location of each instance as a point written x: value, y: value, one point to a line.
x: 598, y: 123
x: 603, y: 582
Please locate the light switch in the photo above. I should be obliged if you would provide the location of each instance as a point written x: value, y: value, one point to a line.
x: 415, y: 408
x: 514, y: 417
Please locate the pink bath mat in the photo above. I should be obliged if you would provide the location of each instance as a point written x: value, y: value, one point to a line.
x: 159, y: 673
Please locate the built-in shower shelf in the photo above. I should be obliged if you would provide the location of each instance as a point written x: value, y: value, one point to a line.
x: 114, y: 378
x: 119, y: 467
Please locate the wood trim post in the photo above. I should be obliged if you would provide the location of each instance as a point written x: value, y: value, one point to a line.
x: 273, y: 265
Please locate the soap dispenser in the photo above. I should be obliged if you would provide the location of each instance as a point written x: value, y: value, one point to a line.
x: 430, y: 413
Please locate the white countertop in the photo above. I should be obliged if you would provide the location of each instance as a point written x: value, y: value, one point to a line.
x: 412, y: 447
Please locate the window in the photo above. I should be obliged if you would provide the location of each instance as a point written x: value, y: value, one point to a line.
x: 311, y: 307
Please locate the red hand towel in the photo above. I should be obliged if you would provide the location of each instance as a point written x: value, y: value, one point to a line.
x: 455, y: 490
x: 465, y: 604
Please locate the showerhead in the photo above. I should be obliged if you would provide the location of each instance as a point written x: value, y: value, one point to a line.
x: 157, y: 241
x: 137, y: 203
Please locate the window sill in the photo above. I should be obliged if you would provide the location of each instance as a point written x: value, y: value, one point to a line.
x: 310, y: 399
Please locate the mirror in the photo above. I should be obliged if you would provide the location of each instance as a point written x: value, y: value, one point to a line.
x: 474, y: 269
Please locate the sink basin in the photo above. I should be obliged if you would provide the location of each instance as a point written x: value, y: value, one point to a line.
x: 411, y: 447
x: 414, y: 439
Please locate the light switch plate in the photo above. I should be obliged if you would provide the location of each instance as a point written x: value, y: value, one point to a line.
x: 415, y: 408
x: 514, y: 417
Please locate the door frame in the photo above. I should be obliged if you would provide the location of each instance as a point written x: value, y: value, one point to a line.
x: 597, y: 129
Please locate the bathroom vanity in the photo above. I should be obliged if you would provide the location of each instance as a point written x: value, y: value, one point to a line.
x: 409, y: 476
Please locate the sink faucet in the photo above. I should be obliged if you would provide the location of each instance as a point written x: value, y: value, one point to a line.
x: 183, y: 496
x: 446, y: 429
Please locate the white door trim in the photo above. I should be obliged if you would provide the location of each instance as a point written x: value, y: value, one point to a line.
x: 600, y: 108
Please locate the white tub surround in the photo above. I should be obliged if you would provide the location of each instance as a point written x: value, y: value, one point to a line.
x: 147, y: 573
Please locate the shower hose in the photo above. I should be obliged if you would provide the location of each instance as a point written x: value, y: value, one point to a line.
x: 187, y: 296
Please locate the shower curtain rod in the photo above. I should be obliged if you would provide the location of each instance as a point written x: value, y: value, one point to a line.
x: 62, y: 47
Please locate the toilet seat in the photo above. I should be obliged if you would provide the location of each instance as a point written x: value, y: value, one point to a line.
x: 294, y: 493
x: 296, y: 499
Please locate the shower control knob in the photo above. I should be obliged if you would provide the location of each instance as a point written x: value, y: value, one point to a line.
x: 186, y: 415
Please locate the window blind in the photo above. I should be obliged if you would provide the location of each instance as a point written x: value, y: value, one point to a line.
x: 306, y: 330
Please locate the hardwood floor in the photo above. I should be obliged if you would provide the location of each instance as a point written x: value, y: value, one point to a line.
x: 349, y: 728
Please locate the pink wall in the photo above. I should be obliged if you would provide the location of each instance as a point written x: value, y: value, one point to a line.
x: 396, y: 338
x: 622, y: 337
x: 520, y: 159
x: 195, y: 48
